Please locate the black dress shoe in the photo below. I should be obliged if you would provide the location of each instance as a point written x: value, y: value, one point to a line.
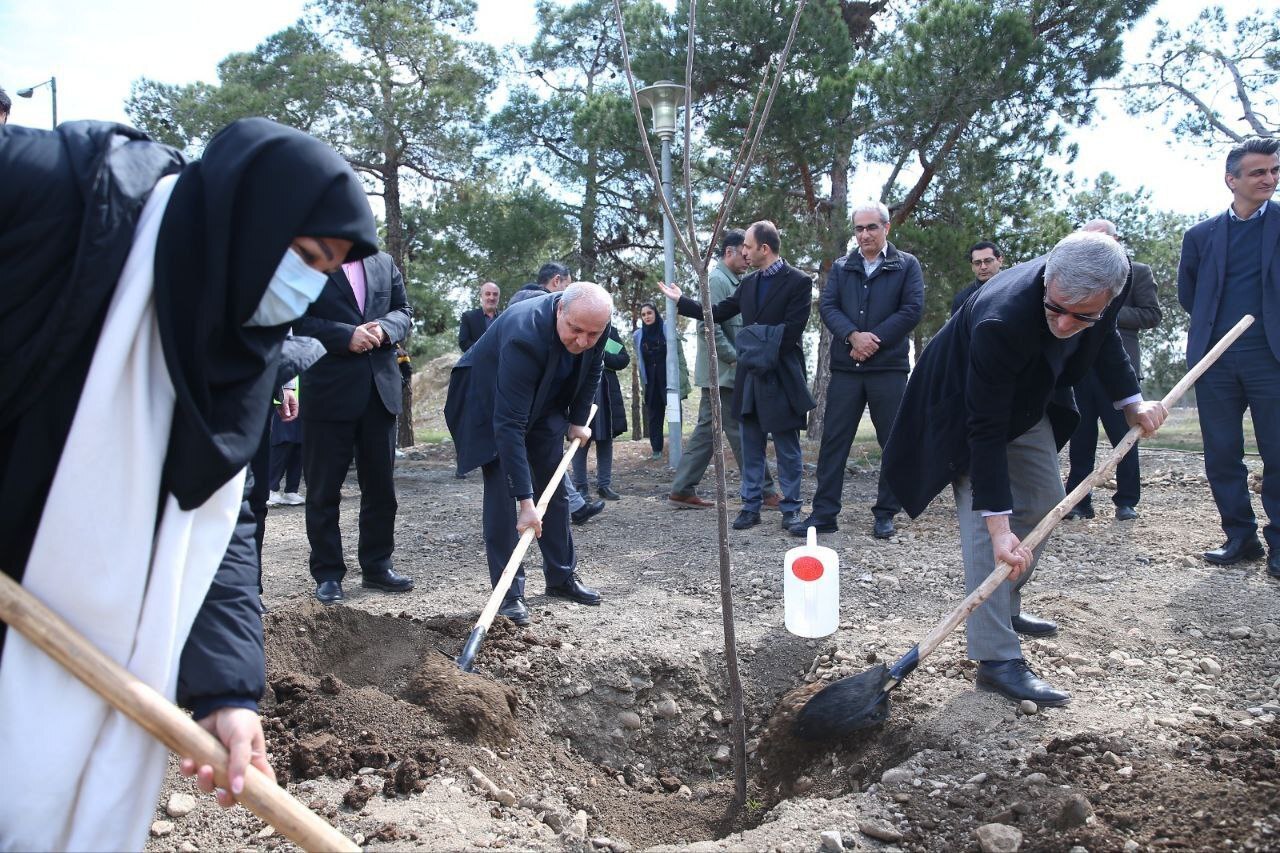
x: 1013, y: 679
x: 609, y: 494
x: 1235, y: 550
x: 327, y: 592
x: 801, y: 528
x: 1079, y: 511
x: 883, y: 528
x: 1031, y: 626
x: 789, y: 518
x: 575, y: 590
x: 746, y: 519
x: 388, y: 581
x: 1125, y: 513
x: 1273, y: 563
x: 514, y: 609
x: 587, y: 511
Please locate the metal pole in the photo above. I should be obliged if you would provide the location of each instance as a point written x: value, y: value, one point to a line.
x: 673, y: 355
x: 53, y: 92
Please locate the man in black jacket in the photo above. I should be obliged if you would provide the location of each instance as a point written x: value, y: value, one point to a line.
x: 986, y: 259
x: 474, y: 322
x: 767, y: 399
x: 353, y: 397
x: 873, y: 299
x: 987, y: 408
x: 1139, y: 310
x: 513, y: 398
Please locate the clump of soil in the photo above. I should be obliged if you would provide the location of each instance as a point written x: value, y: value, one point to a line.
x: 470, y: 706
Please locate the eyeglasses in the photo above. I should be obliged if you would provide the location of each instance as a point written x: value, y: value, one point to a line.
x: 1087, y: 319
x: 985, y: 262
x: 870, y: 229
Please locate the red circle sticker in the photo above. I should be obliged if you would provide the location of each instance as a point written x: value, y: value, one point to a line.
x: 807, y: 568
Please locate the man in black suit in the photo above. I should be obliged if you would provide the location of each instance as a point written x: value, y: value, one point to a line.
x: 770, y: 395
x: 1139, y: 310
x: 513, y: 397
x: 1230, y: 267
x: 872, y: 300
x: 986, y: 259
x: 474, y: 322
x: 353, y: 397
x: 987, y: 408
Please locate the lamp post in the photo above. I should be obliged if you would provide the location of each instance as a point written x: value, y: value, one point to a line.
x: 663, y: 99
x: 52, y: 83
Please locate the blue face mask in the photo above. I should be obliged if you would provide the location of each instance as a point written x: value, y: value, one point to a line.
x: 293, y: 287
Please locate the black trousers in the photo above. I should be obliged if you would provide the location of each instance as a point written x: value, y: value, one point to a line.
x: 849, y: 393
x: 544, y: 444
x: 286, y: 462
x: 1091, y: 400
x: 327, y: 448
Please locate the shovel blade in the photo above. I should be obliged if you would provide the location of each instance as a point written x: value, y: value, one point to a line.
x: 846, y: 706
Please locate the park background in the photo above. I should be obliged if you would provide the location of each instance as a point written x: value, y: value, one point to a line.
x: 493, y: 136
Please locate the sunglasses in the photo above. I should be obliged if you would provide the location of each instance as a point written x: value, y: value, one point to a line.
x: 1088, y: 319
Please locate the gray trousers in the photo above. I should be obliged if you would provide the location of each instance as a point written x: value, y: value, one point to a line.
x: 696, y: 455
x: 1036, y: 484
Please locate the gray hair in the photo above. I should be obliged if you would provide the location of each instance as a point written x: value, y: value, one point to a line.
x: 589, y: 295
x: 1101, y: 226
x: 1256, y: 145
x: 869, y: 206
x: 1086, y: 263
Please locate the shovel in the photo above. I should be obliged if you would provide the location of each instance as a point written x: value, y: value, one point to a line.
x: 862, y: 701
x: 467, y: 659
x: 142, y: 704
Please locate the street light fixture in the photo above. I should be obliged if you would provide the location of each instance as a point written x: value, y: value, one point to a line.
x: 52, y: 83
x: 663, y: 99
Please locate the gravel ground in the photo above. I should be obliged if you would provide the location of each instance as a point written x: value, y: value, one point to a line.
x: 606, y: 728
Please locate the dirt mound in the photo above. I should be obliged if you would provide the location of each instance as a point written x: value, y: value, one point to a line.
x: 470, y: 706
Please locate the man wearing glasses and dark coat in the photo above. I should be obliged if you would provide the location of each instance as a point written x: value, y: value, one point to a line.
x: 986, y: 410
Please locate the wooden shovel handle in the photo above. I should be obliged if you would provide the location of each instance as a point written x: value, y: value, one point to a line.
x: 142, y: 704
x: 975, y: 599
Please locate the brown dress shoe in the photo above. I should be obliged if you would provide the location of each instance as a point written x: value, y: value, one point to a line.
x: 772, y: 501
x: 687, y: 501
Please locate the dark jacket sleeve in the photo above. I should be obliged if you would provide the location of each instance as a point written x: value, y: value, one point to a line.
x: 594, y: 365
x: 620, y: 359
x: 519, y: 373
x: 721, y: 311
x: 1188, y: 268
x: 840, y: 323
x: 796, y: 317
x: 1142, y: 309
x: 223, y: 663
x: 397, y: 319
x: 465, y: 340
x: 895, y: 327
x: 334, y: 334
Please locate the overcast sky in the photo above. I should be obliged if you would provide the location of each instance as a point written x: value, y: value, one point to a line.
x: 96, y: 49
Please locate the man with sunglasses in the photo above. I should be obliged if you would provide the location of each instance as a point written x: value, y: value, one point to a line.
x: 1230, y: 266
x: 986, y: 410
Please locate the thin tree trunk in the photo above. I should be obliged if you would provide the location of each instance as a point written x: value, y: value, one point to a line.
x: 837, y: 216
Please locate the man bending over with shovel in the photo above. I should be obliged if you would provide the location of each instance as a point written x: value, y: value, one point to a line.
x: 987, y: 409
x: 533, y: 374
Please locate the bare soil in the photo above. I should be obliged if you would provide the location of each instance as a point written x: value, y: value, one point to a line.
x: 607, y: 727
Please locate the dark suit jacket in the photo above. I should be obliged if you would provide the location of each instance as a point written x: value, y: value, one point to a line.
x: 470, y: 328
x: 502, y: 384
x: 1202, y: 267
x: 1140, y: 309
x: 894, y: 303
x: 964, y: 294
x: 986, y: 378
x: 787, y: 303
x: 338, y: 385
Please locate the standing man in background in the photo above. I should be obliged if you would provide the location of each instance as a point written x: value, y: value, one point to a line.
x: 1230, y: 267
x: 353, y: 397
x: 986, y: 259
x: 722, y: 281
x: 873, y: 298
x: 475, y: 321
x: 1140, y: 310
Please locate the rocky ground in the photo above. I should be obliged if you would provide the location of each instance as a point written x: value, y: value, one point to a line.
x: 606, y: 728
